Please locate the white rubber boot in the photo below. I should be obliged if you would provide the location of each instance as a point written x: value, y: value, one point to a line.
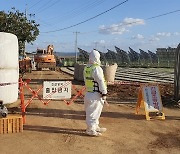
x: 101, y: 130
x: 93, y: 133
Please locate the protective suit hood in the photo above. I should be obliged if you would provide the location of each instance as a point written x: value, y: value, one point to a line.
x: 94, y: 57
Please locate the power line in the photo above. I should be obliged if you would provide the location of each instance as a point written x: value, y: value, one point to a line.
x: 150, y: 18
x: 76, y: 12
x: 79, y: 10
x: 87, y: 19
x: 71, y: 14
x: 34, y: 4
x: 82, y: 7
x: 153, y: 17
x: 44, y: 9
x: 130, y: 23
x: 164, y: 14
x: 44, y: 5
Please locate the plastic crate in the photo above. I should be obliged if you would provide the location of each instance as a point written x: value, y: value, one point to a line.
x: 11, y: 124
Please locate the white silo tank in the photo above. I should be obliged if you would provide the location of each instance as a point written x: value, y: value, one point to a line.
x: 9, y: 68
x: 8, y: 50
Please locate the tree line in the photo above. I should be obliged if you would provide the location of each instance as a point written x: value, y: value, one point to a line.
x: 17, y: 23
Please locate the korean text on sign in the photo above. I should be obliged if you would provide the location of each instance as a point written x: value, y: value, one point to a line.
x: 56, y: 89
x: 152, y: 98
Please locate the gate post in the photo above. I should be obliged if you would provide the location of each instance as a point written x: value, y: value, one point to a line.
x: 177, y: 74
x: 21, y: 89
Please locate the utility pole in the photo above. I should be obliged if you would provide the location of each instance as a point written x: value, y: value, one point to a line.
x: 76, y: 45
x: 24, y: 44
x: 26, y: 15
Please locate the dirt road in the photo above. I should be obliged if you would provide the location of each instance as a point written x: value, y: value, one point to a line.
x: 60, y: 129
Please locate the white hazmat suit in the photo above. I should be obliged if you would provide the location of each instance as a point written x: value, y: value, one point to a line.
x: 94, y: 101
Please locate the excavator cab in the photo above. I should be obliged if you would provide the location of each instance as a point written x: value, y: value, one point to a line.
x: 45, y: 58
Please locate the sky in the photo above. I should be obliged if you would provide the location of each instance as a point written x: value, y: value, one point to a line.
x: 101, y: 24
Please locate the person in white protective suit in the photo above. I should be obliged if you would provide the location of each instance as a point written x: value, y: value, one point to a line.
x: 95, y: 96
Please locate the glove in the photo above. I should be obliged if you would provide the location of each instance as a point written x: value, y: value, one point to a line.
x: 104, y: 98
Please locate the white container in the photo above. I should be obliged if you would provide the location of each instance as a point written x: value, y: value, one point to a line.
x: 9, y: 85
x: 78, y: 72
x: 110, y: 72
x: 8, y: 51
